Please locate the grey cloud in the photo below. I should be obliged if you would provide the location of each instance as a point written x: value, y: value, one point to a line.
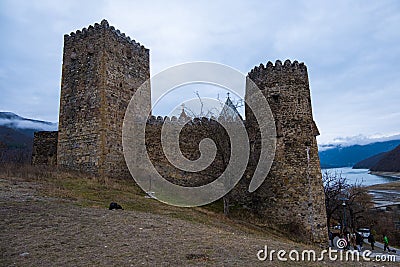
x: 350, y: 47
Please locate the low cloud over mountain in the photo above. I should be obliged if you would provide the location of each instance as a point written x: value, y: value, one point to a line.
x: 16, y: 136
x: 27, y: 126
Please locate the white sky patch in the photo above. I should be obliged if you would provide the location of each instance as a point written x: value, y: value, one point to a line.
x: 212, y: 96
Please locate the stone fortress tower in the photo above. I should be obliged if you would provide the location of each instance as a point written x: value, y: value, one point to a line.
x: 294, y: 183
x: 102, y: 68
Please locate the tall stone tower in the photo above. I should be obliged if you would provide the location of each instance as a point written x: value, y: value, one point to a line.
x: 102, y: 68
x: 292, y: 195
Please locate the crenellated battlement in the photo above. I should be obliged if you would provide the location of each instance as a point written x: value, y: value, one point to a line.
x: 94, y: 29
x: 286, y: 87
x: 287, y: 66
x: 282, y: 75
x: 159, y: 120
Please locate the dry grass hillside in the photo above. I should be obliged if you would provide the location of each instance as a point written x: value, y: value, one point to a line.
x: 54, y: 218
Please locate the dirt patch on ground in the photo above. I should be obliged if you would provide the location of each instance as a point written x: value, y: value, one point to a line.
x: 40, y: 230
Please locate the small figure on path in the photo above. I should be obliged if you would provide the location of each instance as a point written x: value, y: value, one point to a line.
x: 385, y: 243
x: 353, y: 241
x: 330, y: 237
x: 371, y: 240
x: 359, y: 241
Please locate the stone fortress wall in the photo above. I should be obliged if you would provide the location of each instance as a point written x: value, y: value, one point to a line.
x: 44, y: 149
x: 102, y: 68
x: 192, y: 133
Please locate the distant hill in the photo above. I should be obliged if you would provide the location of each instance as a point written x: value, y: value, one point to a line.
x: 13, y: 138
x: 16, y: 136
x: 369, y: 162
x: 390, y: 162
x: 24, y: 125
x: 348, y: 156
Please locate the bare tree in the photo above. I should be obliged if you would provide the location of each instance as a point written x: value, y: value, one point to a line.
x: 338, y: 192
x: 221, y: 142
x: 334, y: 186
x: 212, y: 112
x: 359, y: 203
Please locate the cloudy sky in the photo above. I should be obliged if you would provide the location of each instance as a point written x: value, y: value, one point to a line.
x: 351, y: 49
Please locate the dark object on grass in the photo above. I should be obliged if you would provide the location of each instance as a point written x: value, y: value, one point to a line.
x: 115, y: 206
x: 197, y: 256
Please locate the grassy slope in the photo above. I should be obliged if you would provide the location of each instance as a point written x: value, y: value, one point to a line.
x: 94, y: 193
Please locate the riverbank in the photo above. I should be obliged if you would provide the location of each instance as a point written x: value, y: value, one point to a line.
x: 385, y: 195
x: 387, y: 174
x: 393, y: 186
x: 362, y: 176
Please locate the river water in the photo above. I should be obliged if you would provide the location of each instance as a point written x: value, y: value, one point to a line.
x: 361, y: 175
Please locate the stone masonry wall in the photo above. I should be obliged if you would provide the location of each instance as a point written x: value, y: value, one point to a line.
x: 102, y: 68
x: 292, y: 196
x: 44, y: 150
x: 192, y: 133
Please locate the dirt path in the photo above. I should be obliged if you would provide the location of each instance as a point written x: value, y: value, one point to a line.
x: 41, y: 231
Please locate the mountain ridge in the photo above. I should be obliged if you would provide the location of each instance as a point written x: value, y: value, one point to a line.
x: 348, y: 156
x: 389, y: 163
x: 369, y: 162
x: 16, y: 136
x: 12, y: 116
x: 24, y: 125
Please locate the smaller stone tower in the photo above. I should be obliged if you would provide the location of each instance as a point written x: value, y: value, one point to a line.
x: 292, y: 195
x: 44, y: 149
x: 102, y: 68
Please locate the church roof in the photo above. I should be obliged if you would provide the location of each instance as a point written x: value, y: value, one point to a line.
x: 229, y: 111
x: 183, y: 115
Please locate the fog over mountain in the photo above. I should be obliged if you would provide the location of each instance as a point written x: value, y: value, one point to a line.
x: 16, y: 136
x: 25, y: 125
x: 357, y: 140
